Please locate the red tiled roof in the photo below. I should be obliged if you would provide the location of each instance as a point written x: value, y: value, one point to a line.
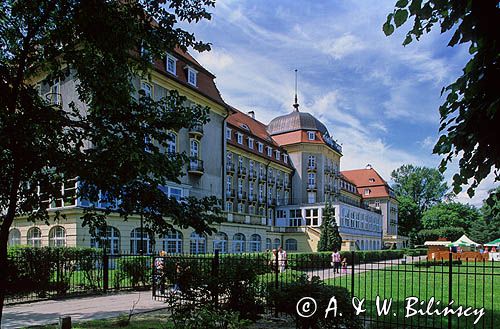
x: 205, y: 80
x: 361, y: 178
x: 256, y: 130
x: 298, y: 136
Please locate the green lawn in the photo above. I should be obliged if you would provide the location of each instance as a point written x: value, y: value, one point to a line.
x: 469, y: 284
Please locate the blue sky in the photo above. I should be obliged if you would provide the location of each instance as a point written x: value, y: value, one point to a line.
x: 377, y: 98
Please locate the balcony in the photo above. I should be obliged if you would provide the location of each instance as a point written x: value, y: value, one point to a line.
x: 252, y: 174
x: 196, y: 166
x: 328, y: 170
x: 230, y: 168
x: 311, y: 187
x: 242, y: 171
x: 262, y: 176
x: 288, y: 185
x: 328, y: 189
x: 270, y: 180
x: 54, y: 99
x: 196, y: 130
x: 271, y: 202
x: 230, y: 194
x: 312, y: 167
x: 252, y: 197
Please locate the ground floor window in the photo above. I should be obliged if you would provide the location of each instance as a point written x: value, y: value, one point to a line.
x: 276, y: 243
x: 197, y: 243
x: 109, y: 241
x: 34, y: 237
x: 141, y: 241
x: 239, y: 243
x: 255, y: 243
x: 269, y: 244
x: 172, y: 242
x: 220, y: 242
x: 291, y: 245
x: 57, y: 237
x: 14, y: 237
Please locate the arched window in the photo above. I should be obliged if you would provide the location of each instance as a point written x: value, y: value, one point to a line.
x: 239, y: 243
x: 291, y: 245
x: 197, y: 243
x: 362, y: 244
x: 276, y: 243
x: 34, y: 237
x: 255, y: 243
x: 148, y: 90
x: 220, y: 242
x: 57, y: 237
x: 269, y: 244
x: 172, y: 242
x: 195, y: 149
x: 172, y: 143
x: 109, y: 241
x: 14, y: 237
x: 137, y: 237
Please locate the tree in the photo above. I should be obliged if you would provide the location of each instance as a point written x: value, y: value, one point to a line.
x: 330, y: 238
x: 488, y: 227
x: 470, y: 114
x: 108, y: 142
x: 452, y: 214
x: 409, y: 216
x: 425, y: 186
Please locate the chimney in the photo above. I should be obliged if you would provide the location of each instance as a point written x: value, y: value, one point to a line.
x: 251, y: 114
x: 368, y: 166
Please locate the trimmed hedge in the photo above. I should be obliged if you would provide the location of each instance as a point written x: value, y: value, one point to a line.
x: 416, y: 252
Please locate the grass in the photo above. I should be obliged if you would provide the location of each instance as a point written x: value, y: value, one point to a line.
x: 470, y: 282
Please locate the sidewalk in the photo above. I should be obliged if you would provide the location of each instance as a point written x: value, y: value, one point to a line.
x: 80, y: 309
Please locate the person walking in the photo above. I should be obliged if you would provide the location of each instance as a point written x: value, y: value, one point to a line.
x: 344, y: 265
x: 282, y: 259
x: 160, y: 272
x: 336, y: 261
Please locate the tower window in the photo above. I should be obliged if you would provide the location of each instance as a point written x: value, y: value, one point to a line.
x: 311, y: 135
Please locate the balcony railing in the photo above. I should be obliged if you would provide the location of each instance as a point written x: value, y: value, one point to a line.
x: 242, y: 171
x: 312, y: 167
x: 252, y: 174
x: 242, y: 195
x: 230, y: 168
x: 311, y: 187
x: 196, y: 130
x: 54, y: 99
x: 196, y: 166
x: 230, y: 194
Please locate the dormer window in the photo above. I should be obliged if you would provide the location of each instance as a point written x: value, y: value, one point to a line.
x: 171, y: 64
x: 311, y: 135
x: 147, y: 88
x: 260, y: 147
x: 269, y: 151
x: 285, y: 158
x: 367, y: 191
x: 192, y: 76
x: 228, y: 133
x: 250, y: 143
x: 278, y: 155
x: 371, y: 180
x: 240, y: 138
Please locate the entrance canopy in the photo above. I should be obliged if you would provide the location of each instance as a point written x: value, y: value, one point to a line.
x: 464, y: 241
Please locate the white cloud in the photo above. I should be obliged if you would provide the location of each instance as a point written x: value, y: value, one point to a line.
x: 339, y: 47
x: 481, y: 193
x: 216, y: 60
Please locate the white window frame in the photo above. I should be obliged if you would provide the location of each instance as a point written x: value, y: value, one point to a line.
x: 260, y: 147
x: 57, y: 236
x: 197, y: 243
x: 228, y: 133
x: 269, y: 151
x: 238, y: 243
x: 220, y: 242
x: 239, y: 137
x: 14, y: 237
x: 32, y: 239
x: 285, y: 158
x: 174, y: 70
x: 191, y: 72
x: 277, y: 155
x: 250, y: 143
x: 311, y: 135
x: 172, y: 242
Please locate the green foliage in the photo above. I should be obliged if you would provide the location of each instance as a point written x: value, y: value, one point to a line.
x: 416, y: 252
x: 47, y: 270
x: 136, y: 269
x: 470, y: 114
x: 208, y: 317
x: 330, y: 238
x: 450, y: 233
x: 452, y: 214
x: 287, y: 296
x: 409, y: 216
x: 487, y: 228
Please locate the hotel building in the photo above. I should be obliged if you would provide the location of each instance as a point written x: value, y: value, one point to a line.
x: 274, y: 180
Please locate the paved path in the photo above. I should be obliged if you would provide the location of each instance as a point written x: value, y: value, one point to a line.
x: 85, y: 308
x: 328, y: 273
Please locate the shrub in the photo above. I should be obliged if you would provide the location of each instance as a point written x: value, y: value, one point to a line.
x: 286, y: 298
x: 136, y: 269
x: 416, y: 252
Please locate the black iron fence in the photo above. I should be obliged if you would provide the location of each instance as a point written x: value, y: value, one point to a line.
x: 44, y: 273
x: 390, y: 292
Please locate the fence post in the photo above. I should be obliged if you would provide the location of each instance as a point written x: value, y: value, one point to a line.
x: 215, y: 279
x: 105, y: 271
x: 450, y: 285
x: 276, y: 283
x: 353, y: 254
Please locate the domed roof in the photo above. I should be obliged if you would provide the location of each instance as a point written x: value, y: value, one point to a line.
x: 295, y: 121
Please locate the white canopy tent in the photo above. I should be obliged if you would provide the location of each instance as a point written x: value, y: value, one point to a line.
x: 464, y: 241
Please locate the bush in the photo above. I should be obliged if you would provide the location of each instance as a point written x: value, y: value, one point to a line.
x: 450, y: 233
x: 136, y: 269
x: 416, y: 252
x: 286, y: 298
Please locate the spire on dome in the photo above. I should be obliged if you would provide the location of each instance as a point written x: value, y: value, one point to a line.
x: 296, y: 105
